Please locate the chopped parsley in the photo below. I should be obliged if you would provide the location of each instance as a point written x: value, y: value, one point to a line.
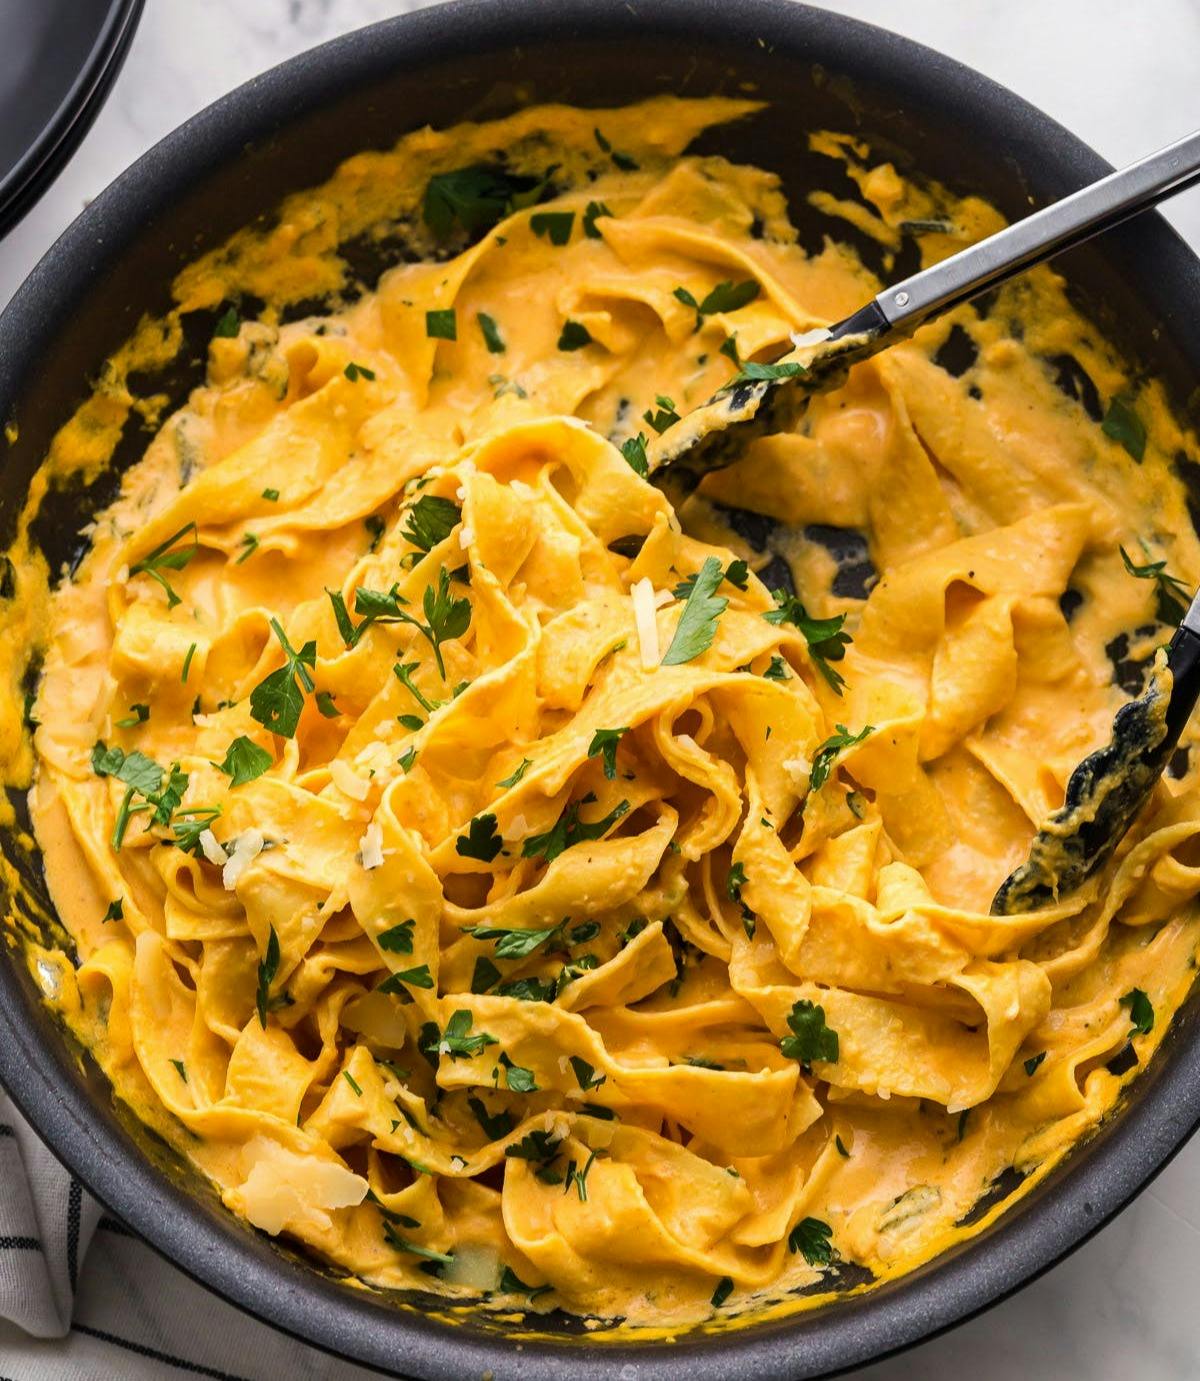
x: 752, y: 372
x: 827, y: 642
x: 495, y: 1125
x: 276, y: 703
x: 353, y: 1082
x: 811, y: 1039
x: 485, y: 976
x: 574, y: 336
x: 841, y: 1147
x: 406, y: 760
x: 514, y: 777
x: 737, y: 573
x: 268, y: 967
x: 517, y: 1077
x: 482, y: 840
x: 595, y: 209
x: 189, y: 825
x: 722, y: 1292
x: 456, y: 1040
x: 777, y: 671
x: 271, y: 495
x: 634, y: 451
x: 168, y: 557
x: 325, y: 705
x: 115, y: 912
x: 604, y: 744
x: 355, y: 371
x: 420, y: 977
x: 1031, y: 1064
x: 725, y: 297
x: 569, y: 830
x: 1141, y: 1011
x: 585, y: 1074
x: 621, y: 160
x: 226, y: 325
x: 553, y: 225
x: 430, y: 521
x: 538, y: 1147
x: 447, y: 617
x: 811, y: 1238
x: 697, y: 626
x: 829, y: 751
x: 187, y: 663
x: 512, y: 1284
x: 441, y: 324
x: 397, y: 939
x: 244, y: 761
x: 250, y: 545
x: 475, y: 198
x: 180, y: 1069
x: 513, y: 943
x: 491, y: 333
x: 138, y: 714
x: 1122, y: 424
x: 1171, y: 594
x: 666, y: 415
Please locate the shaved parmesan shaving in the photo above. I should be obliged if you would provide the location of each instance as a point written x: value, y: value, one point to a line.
x: 246, y: 848
x: 662, y: 598
x: 515, y: 829
x: 477, y: 1267
x: 370, y: 846
x: 647, y: 625
x: 347, y: 780
x: 211, y: 849
x: 817, y: 336
x: 284, y: 1189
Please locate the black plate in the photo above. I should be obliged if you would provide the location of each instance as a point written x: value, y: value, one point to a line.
x: 58, y: 60
x: 289, y: 129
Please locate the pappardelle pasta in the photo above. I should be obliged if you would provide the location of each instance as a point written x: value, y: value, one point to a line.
x: 505, y: 884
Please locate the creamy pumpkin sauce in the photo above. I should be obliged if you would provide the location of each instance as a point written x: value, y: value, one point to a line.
x: 500, y: 882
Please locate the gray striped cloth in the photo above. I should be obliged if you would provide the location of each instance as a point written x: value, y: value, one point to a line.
x: 83, y: 1299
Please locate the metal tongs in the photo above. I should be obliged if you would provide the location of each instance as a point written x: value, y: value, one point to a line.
x: 1109, y: 788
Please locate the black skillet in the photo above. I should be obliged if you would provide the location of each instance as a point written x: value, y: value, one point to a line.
x: 480, y: 58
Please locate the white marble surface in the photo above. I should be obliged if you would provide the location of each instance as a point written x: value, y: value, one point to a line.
x: 1122, y: 76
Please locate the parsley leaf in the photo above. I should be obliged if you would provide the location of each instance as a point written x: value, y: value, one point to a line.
x: 244, y: 761
x: 697, y: 626
x: 621, y: 160
x: 441, y: 324
x: 188, y: 826
x: 553, y: 225
x: 538, y: 1147
x: 135, y: 769
x: 456, y: 1040
x: 513, y: 778
x: 476, y: 198
x: 115, y: 912
x: 1141, y: 1011
x: 226, y: 327
x: 495, y: 1125
x: 326, y: 706
x: 139, y: 715
x: 634, y: 451
x: 512, y: 943
x: 737, y: 573
x: 1171, y: 594
x: 491, y: 333
x: 811, y: 1039
x: 1122, y: 424
x: 482, y: 840
x: 810, y: 1237
x: 447, y: 618
x: 1031, y: 1064
x: 595, y: 209
x: 430, y: 521
x: 666, y: 415
x: 725, y: 297
x: 569, y: 830
x: 398, y: 938
x: 485, y: 976
x: 276, y: 702
x: 827, y: 642
x: 167, y: 556
x: 267, y: 969
x: 586, y: 1074
x: 517, y: 1077
x: 355, y: 371
x: 420, y: 977
x: 604, y: 743
x: 574, y: 336
x: 829, y: 751
x: 512, y: 1284
x: 752, y: 372
x: 777, y: 671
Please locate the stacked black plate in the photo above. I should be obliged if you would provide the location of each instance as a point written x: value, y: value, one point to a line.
x: 58, y: 60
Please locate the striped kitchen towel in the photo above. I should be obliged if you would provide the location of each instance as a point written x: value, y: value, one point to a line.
x: 83, y: 1299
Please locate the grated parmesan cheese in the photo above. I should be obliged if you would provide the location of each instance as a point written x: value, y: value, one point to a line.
x: 370, y: 846
x: 347, y: 780
x: 799, y: 770
x: 211, y: 849
x: 647, y: 625
x: 466, y: 536
x: 246, y: 848
x: 515, y: 829
x: 663, y: 598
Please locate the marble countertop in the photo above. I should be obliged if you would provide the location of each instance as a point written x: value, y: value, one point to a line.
x: 1124, y: 79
